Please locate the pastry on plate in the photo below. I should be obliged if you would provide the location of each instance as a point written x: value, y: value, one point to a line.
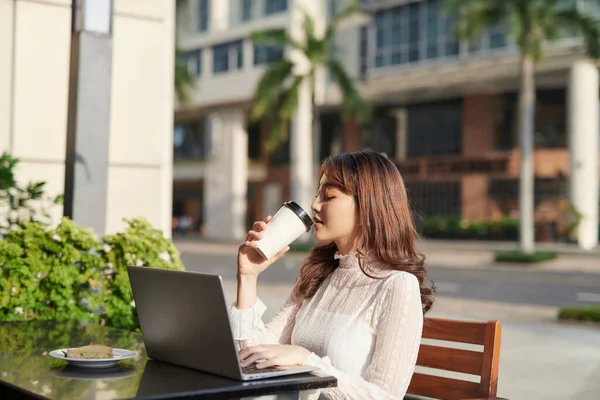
x: 92, y: 351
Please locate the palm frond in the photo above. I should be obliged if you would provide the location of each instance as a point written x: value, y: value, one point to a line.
x: 269, y: 86
x: 275, y: 37
x: 184, y: 80
x: 332, y: 27
x: 474, y: 16
x: 281, y: 114
x: 584, y: 24
x: 353, y: 103
x: 315, y: 47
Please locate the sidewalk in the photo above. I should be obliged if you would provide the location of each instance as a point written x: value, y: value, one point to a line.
x: 448, y: 254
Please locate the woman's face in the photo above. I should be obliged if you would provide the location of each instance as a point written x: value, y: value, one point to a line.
x: 335, y: 217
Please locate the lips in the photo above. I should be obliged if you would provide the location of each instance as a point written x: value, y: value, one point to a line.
x: 317, y: 220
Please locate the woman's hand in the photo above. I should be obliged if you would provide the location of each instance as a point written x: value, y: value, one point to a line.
x: 269, y: 355
x: 250, y: 262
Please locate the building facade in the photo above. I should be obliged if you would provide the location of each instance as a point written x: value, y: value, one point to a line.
x: 444, y: 110
x: 35, y: 42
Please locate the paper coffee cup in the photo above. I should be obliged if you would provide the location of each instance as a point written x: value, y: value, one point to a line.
x: 287, y: 225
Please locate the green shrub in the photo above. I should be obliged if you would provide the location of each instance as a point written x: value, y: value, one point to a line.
x: 21, y: 204
x: 68, y: 273
x: 517, y: 256
x: 584, y: 313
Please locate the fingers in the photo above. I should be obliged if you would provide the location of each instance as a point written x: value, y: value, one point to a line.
x: 247, y: 246
x: 253, y: 235
x: 250, y: 355
x: 259, y: 226
x: 266, y: 364
x: 269, y: 218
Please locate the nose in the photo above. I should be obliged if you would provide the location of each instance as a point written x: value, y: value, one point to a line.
x: 315, y: 206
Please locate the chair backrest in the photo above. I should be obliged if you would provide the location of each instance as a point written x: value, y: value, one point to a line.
x: 480, y: 363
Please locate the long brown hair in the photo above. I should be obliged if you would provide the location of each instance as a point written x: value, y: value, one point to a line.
x: 388, y: 231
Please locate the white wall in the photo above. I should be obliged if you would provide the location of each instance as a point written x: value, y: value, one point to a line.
x: 6, y: 42
x: 140, y: 158
x: 34, y: 95
x: 37, y: 56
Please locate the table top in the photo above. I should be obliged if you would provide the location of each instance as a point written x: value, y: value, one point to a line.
x: 25, y: 365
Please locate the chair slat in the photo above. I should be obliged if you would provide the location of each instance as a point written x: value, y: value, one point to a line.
x: 439, y: 387
x: 491, y: 359
x: 454, y: 331
x: 457, y: 360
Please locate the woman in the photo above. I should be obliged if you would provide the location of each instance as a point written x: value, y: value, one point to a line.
x: 357, y: 308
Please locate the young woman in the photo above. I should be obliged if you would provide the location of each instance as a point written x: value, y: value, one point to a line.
x: 357, y: 308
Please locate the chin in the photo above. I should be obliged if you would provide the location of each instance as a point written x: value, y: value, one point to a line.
x: 319, y: 236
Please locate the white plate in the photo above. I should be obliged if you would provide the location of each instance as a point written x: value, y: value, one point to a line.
x: 118, y: 355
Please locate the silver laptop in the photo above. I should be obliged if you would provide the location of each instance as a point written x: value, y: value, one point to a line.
x: 184, y: 321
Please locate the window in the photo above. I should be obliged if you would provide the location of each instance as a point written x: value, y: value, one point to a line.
x: 275, y: 6
x: 190, y: 141
x: 420, y: 31
x: 266, y: 54
x: 246, y: 7
x: 333, y: 7
x: 228, y: 56
x: 203, y: 15
x: 193, y: 59
x: 430, y: 121
x: 434, y: 199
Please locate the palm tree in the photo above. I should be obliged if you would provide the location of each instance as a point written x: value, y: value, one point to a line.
x: 184, y: 80
x: 280, y: 88
x: 531, y: 23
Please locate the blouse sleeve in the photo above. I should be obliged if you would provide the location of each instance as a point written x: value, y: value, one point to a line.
x: 398, y: 336
x: 249, y: 328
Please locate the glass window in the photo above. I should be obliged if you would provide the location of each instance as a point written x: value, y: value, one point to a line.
x: 221, y: 57
x: 275, y: 6
x: 228, y: 56
x: 430, y: 121
x: 246, y: 6
x: 190, y: 141
x: 265, y: 54
x: 203, y: 15
x: 433, y: 31
x: 193, y: 59
x: 414, y: 31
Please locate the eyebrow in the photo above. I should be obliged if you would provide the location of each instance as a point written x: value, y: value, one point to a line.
x: 326, y: 186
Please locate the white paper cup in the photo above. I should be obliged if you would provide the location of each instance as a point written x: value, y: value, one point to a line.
x: 287, y: 225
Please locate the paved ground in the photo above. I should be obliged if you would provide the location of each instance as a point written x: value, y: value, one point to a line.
x: 458, y: 274
x: 540, y: 358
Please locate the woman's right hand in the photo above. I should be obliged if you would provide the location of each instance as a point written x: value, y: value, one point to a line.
x: 250, y: 262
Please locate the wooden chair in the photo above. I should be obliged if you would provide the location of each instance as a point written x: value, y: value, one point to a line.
x: 483, y: 364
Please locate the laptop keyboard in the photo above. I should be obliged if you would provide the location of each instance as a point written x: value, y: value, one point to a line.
x: 251, y: 370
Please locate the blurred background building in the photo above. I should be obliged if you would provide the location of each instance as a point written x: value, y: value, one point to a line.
x: 35, y: 43
x: 445, y: 111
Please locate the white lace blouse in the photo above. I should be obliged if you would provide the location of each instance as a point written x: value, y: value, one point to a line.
x: 366, y: 332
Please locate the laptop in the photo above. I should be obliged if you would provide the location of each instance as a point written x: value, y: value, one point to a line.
x: 184, y: 321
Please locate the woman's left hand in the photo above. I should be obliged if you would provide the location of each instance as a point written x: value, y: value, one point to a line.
x: 269, y: 355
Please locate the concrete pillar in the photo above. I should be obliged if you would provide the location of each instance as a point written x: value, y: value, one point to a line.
x: 302, y: 172
x: 88, y: 126
x: 219, y: 15
x: 401, y: 133
x: 226, y: 182
x: 583, y: 123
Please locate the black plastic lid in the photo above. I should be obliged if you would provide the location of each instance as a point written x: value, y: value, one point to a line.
x: 304, y: 217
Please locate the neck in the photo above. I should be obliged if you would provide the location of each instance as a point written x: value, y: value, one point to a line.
x: 347, y: 246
